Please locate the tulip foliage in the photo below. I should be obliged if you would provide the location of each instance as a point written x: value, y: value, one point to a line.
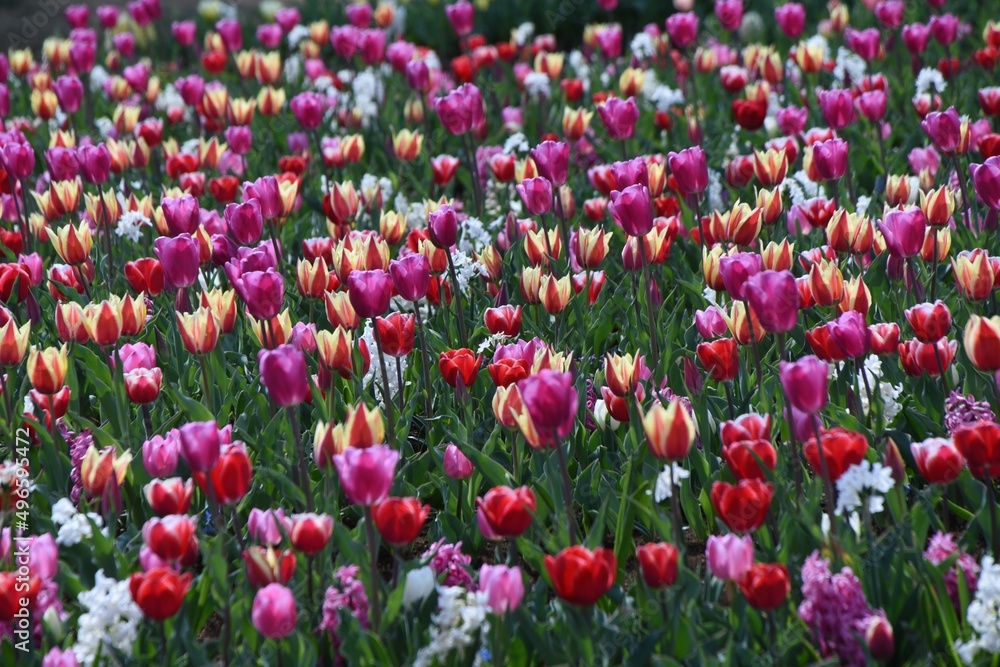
x: 675, y: 344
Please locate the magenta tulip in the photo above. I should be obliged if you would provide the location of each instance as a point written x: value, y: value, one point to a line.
x: 63, y: 165
x: 284, y: 373
x: 552, y: 403
x: 915, y: 37
x: 729, y: 13
x: 830, y: 159
x: 69, y: 93
x: 263, y: 292
x: 850, y: 333
x: 682, y: 29
x: 774, y: 298
x: 872, y: 105
x: 461, y: 110
x: 944, y: 128
x: 180, y: 257
x: 231, y: 33
x: 369, y: 292
x: 456, y: 464
x: 200, y: 444
x: 308, y: 108
x: 95, y: 163
x: 442, y: 227
x: 536, y: 193
x: 411, y: 275
x: 273, y: 612
x: 245, y: 222
x: 690, y: 170
x: 837, y: 107
x: 268, y: 527
x: 460, y: 16
x: 805, y: 383
x: 736, y: 270
x: 552, y: 160
x: 729, y: 556
x: 18, y: 159
x: 265, y: 191
x: 710, y: 322
x: 159, y: 454
x: 182, y: 215
x: 986, y: 181
x: 791, y: 19
x: 183, y: 32
x: 632, y: 209
x: 366, y: 475
x: 619, y: 117
x: 944, y: 29
x: 903, y: 231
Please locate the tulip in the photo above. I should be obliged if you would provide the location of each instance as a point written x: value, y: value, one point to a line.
x: 268, y: 527
x: 310, y: 533
x: 442, y: 226
x: 850, y: 333
x: 632, y: 209
x: 366, y: 474
x: 944, y: 128
x: 938, y: 460
x: 399, y: 520
x: 283, y: 372
x: 580, y: 576
x: 199, y: 330
x: 503, y: 586
x: 829, y: 158
x: 619, y: 117
x: 456, y: 464
x: 266, y: 565
x: 974, y: 274
x: 982, y: 342
x: 508, y: 512
x: 504, y: 319
x: 774, y: 297
x: 979, y: 443
x: 170, y: 536
x: 461, y: 110
x: 411, y: 276
x: 918, y: 358
x: 837, y: 107
x: 244, y: 221
x: 159, y: 454
x: 460, y: 16
x: 986, y: 181
x: 930, y: 321
x: 369, y: 292
x: 729, y: 556
x: 47, y: 369
x: 229, y: 479
x: 743, y: 506
x: 735, y: 270
x: 459, y: 364
x: 841, y: 449
x: 658, y: 564
x: 273, y: 613
x: 791, y: 19
x: 747, y: 459
x: 805, y: 383
x: 536, y: 193
x: 879, y: 637
x: 160, y: 592
x: 766, y: 587
x: 143, y: 385
x: 670, y: 431
x: 690, y: 170
x: 720, y: 358
x: 552, y: 160
x: 682, y: 28
x: 180, y: 257
x: 551, y: 403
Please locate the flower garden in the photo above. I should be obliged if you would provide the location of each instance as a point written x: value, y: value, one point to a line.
x: 657, y: 343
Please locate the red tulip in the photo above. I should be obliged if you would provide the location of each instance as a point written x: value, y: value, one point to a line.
x: 938, y: 460
x: 745, y: 427
x: 229, y: 478
x: 503, y: 319
x: 766, y: 586
x: 508, y: 512
x: 658, y: 564
x: 918, y: 358
x: 266, y: 565
x: 980, y: 445
x: 580, y: 576
x: 930, y: 321
x: 169, y: 496
x: 170, y: 536
x: 159, y: 592
x: 396, y: 333
x: 310, y: 532
x: 145, y: 275
x: 742, y: 458
x: 460, y: 364
x: 399, y: 520
x: 742, y: 507
x: 720, y: 358
x: 841, y: 450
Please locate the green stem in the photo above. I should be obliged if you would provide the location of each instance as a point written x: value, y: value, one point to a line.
x: 390, y: 416
x: 567, y: 493
x: 373, y: 577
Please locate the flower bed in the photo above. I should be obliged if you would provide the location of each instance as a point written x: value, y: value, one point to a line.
x: 672, y: 345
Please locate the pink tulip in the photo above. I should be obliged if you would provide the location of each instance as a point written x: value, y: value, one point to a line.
x: 729, y: 13
x: 269, y: 35
x: 915, y: 37
x: 632, y: 209
x: 345, y: 40
x: 108, y: 16
x: 736, y: 270
x: 369, y: 292
x: 77, y: 15
x: 284, y: 373
x: 944, y: 128
x: 890, y: 13
x: 552, y: 403
x: 263, y: 292
x: 124, y: 42
x: 986, y: 181
x: 265, y: 191
x: 456, y: 464
x: 137, y: 355
x: 791, y: 19
x: 552, y: 160
x: 182, y: 215
x: 924, y: 158
x: 837, y: 107
x: 682, y: 29
x: 56, y: 657
x: 191, y: 89
x: 630, y: 172
x: 231, y: 33
x: 180, y: 257
x: 411, y: 276
x: 461, y: 110
x: 619, y: 117
x: 866, y: 43
x: 850, y: 333
x: 442, y: 227
x: 359, y: 14
x: 159, y: 454
x: 200, y: 443
x: 944, y: 29
x: 418, y: 75
x: 792, y: 120
x: 245, y: 221
x: 18, y: 159
x: 83, y: 56
x: 366, y: 474
x: 460, y: 16
x: 62, y: 162
x: 399, y: 53
x: 239, y: 138
x: 183, y: 32
x: 690, y: 170
x: 268, y: 527
x: 308, y: 109
x: 43, y: 554
x: 871, y: 105
x: 903, y: 231
x: 710, y: 322
x: 504, y: 587
x: 774, y: 298
x: 805, y: 383
x: 830, y: 159
x: 273, y: 612
x: 69, y: 93
x: 729, y: 556
x: 95, y: 163
x: 287, y: 18
x: 372, y: 46
x: 536, y: 193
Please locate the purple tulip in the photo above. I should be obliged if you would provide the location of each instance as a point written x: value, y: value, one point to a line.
x: 837, y: 107
x: 536, y: 193
x: 619, y: 117
x: 944, y: 128
x: 710, y: 322
x: 442, y: 227
x: 805, y: 383
x: 180, y: 257
x: 850, y: 333
x: 903, y: 231
x: 632, y: 209
x: 456, y: 464
x: 830, y: 159
x: 283, y: 372
x: 552, y: 403
x: 159, y: 454
x: 263, y: 292
x: 181, y: 214
x: 552, y: 160
x: 736, y: 270
x: 95, y: 163
x: 366, y: 475
x: 774, y: 298
x: 245, y: 221
x: 369, y: 292
x: 411, y: 275
x: 690, y: 170
x: 461, y: 110
x: 200, y: 443
x: 69, y: 93
x: 986, y: 181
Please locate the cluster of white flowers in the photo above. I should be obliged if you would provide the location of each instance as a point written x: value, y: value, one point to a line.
x: 929, y: 78
x: 863, y: 483
x: 130, y: 225
x: 664, y: 487
x: 111, y: 619
x: 455, y: 627
x: 412, y: 212
x: 820, y: 41
x: 296, y: 35
x: 169, y: 98
x: 523, y: 33
x: 105, y: 126
x: 492, y: 341
x: 466, y: 269
x: 660, y: 96
x: 74, y: 526
x: 801, y: 188
x: 864, y: 201
x: 983, y: 614
x: 292, y: 69
x: 516, y: 143
x: 371, y: 185
x: 850, y: 66
x: 367, y: 94
x: 889, y: 392
x: 98, y: 76
x: 715, y: 191
x: 538, y: 85
x: 474, y: 235
x: 643, y: 46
